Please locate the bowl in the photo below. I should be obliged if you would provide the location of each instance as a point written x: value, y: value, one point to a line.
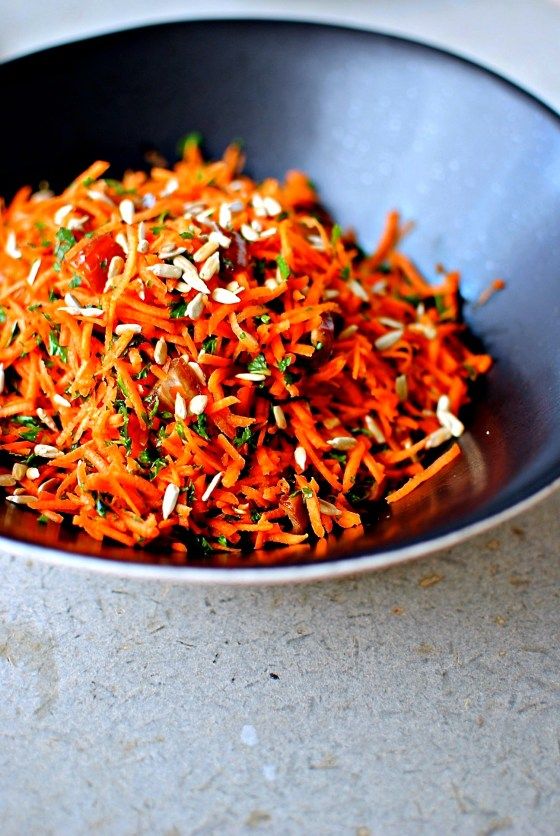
x: 378, y: 122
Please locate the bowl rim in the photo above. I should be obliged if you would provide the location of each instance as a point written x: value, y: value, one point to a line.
x: 292, y: 573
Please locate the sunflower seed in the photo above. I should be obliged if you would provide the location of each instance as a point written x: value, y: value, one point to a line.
x: 224, y: 215
x: 93, y: 194
x: 160, y: 352
x: 18, y: 471
x: 32, y: 473
x: 116, y: 266
x: 169, y: 501
x: 191, y: 277
x: 195, y: 307
x: 272, y: 207
x: 300, y: 457
x: 45, y: 418
x: 438, y: 437
x: 11, y: 248
x: 330, y: 293
x: 180, y: 407
x: 349, y: 331
x: 401, y: 387
x: 2, y: 378
x: 58, y: 400
x: 249, y: 233
x: 252, y: 377
x: 358, y: 290
x: 205, y: 251
x: 77, y: 223
x: 268, y: 233
x: 22, y: 499
x: 47, y: 451
x: 61, y: 213
x: 165, y: 271
x: 212, y: 485
x: 258, y: 205
x: 7, y: 481
x: 329, y: 509
x: 120, y: 239
x: 198, y: 404
x: 210, y: 267
x: 143, y: 244
x: 127, y: 210
x: 198, y: 371
x: 279, y: 417
x: 220, y: 239
x: 128, y: 326
x: 342, y: 442
x: 390, y: 323
x: 387, y: 340
x: 374, y: 429
x: 224, y: 296
x: 171, y: 186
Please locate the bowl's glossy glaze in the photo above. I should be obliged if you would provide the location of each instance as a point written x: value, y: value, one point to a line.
x: 377, y: 122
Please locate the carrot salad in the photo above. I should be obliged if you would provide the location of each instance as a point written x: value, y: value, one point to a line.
x: 192, y: 355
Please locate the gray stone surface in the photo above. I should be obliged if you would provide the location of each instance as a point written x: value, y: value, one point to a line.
x: 423, y: 699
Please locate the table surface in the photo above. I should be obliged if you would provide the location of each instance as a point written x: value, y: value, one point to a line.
x: 423, y: 699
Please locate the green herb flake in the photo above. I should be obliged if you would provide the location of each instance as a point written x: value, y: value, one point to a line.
x: 75, y: 281
x: 143, y: 373
x: 30, y: 434
x: 258, y: 364
x: 209, y: 345
x: 256, y: 515
x: 440, y: 304
x: 2, y: 315
x: 263, y: 319
x: 118, y: 187
x: 284, y: 363
x: 221, y: 540
x: 336, y: 234
x: 66, y: 241
x: 180, y: 430
x: 101, y: 507
x: 178, y: 310
x: 200, y: 427
x: 283, y: 267
x: 345, y: 273
x: 243, y: 436
x: 194, y: 138
x: 42, y: 520
x: 187, y: 235
x: 122, y: 386
x: 55, y: 349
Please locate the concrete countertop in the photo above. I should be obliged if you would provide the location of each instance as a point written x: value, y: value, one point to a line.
x: 420, y: 700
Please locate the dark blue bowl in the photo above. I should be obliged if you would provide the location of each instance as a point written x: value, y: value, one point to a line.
x: 378, y: 122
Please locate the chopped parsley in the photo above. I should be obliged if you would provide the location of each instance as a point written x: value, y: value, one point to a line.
x: 178, y: 310
x: 258, y: 364
x: 243, y: 436
x: 2, y: 315
x: 345, y: 273
x: 440, y: 304
x: 222, y: 541
x: 284, y: 363
x: 263, y: 319
x: 187, y: 235
x: 101, y: 507
x: 42, y: 520
x: 256, y: 515
x: 143, y: 373
x: 188, y: 141
x: 200, y: 426
x: 283, y: 267
x: 209, y: 345
x: 336, y: 234
x: 30, y: 434
x: 118, y: 187
x: 75, y: 281
x: 55, y: 349
x: 66, y: 241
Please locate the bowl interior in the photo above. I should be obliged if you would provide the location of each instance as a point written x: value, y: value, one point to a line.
x: 378, y: 123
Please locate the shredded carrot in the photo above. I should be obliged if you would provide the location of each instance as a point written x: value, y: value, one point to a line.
x: 184, y: 352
